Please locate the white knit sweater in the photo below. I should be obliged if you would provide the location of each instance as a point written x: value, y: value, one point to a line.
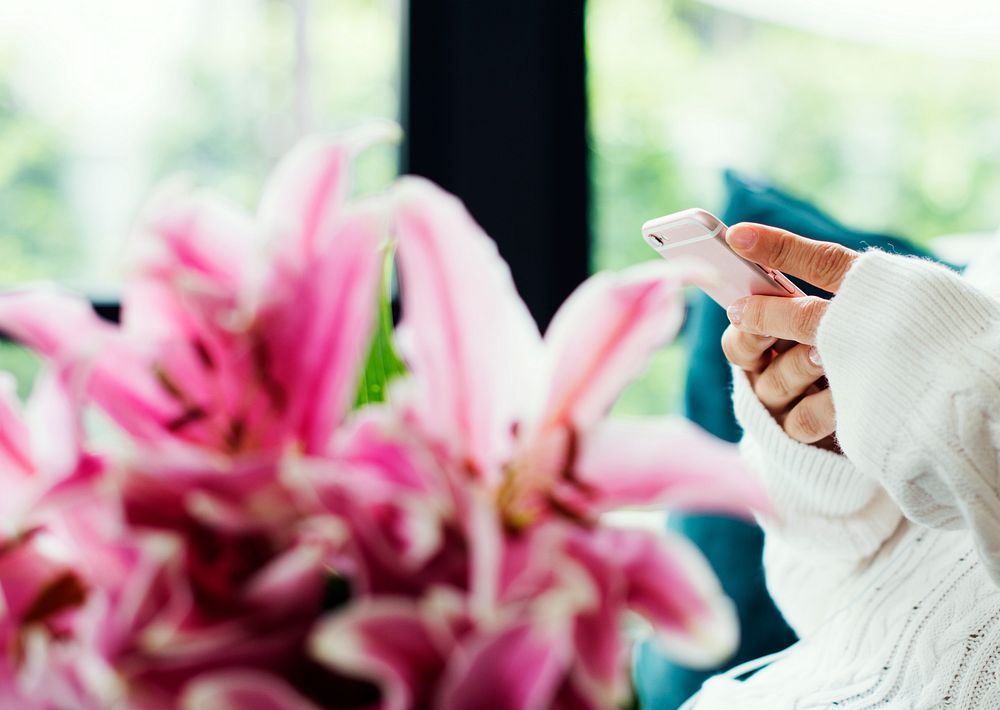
x: 886, y: 561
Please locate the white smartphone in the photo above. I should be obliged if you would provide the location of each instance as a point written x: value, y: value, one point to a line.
x: 698, y: 234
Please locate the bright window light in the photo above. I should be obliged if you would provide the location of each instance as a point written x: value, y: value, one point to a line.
x: 969, y: 27
x: 100, y: 99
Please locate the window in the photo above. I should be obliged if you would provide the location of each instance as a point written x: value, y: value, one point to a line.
x: 890, y: 125
x: 101, y: 99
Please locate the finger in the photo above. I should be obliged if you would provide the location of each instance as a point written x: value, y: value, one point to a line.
x: 791, y: 375
x: 812, y: 419
x: 779, y: 317
x: 745, y: 350
x: 822, y: 264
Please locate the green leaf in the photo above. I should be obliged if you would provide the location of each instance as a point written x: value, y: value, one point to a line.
x: 383, y: 364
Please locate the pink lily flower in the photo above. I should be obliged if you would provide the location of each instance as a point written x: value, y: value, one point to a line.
x: 465, y: 515
x: 238, y: 357
x: 76, y: 587
x: 514, y: 427
x: 43, y: 469
x: 389, y: 488
x: 55, y: 519
x: 223, y: 347
x: 526, y: 415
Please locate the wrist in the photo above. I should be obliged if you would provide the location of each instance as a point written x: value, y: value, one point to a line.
x: 820, y: 498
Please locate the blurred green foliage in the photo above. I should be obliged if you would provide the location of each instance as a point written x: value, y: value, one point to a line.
x: 661, y: 389
x: 230, y: 114
x: 383, y: 363
x: 882, y: 138
x: 21, y: 363
x: 238, y: 114
x: 36, y: 227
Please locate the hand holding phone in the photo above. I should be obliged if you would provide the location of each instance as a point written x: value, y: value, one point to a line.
x: 771, y: 339
x: 700, y: 234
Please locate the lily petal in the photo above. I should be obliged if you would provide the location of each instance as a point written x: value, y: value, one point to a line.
x: 520, y: 668
x: 602, y: 336
x: 15, y: 453
x: 486, y: 552
x: 318, y: 328
x: 206, y: 249
x: 671, y: 586
x: 305, y: 193
x: 37, y: 580
x: 54, y: 323
x: 384, y: 456
x: 294, y: 580
x: 55, y: 430
x: 385, y: 640
x: 665, y: 462
x: 466, y: 335
x: 241, y: 689
x: 600, y: 646
x: 64, y: 329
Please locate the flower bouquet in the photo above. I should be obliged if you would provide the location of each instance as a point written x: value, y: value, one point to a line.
x: 277, y: 513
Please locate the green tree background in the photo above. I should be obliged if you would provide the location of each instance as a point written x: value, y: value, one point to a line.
x: 885, y: 139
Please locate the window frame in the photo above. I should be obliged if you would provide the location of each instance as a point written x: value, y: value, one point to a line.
x: 494, y: 109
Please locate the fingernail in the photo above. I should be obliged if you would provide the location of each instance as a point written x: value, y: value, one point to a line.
x: 735, y: 311
x: 742, y: 237
x: 814, y: 357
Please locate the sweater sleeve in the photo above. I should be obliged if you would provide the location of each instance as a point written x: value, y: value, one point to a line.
x: 912, y: 353
x: 828, y: 518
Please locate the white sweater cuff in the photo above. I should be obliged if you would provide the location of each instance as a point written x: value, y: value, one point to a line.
x: 821, y: 500
x: 900, y: 330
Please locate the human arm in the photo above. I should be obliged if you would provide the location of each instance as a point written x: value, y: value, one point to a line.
x: 912, y: 355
